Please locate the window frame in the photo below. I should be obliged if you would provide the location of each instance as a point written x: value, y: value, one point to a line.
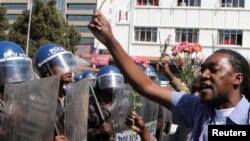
x: 230, y: 37
x: 72, y: 17
x: 87, y: 41
x: 15, y: 6
x: 82, y: 29
x: 189, y: 3
x: 147, y: 2
x: 145, y: 34
x: 81, y: 6
x: 187, y: 33
x: 232, y: 3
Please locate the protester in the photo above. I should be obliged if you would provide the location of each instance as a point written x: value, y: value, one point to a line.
x: 52, y: 59
x: 109, y: 83
x: 224, y: 76
x: 176, y: 83
x: 15, y: 67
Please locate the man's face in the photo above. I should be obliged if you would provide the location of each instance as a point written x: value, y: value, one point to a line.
x: 217, y: 78
x: 65, y: 77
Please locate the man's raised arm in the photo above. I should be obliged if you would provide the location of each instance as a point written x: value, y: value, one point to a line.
x: 139, y: 81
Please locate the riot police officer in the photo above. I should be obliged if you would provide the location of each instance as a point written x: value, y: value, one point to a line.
x: 109, y: 82
x: 15, y: 67
x: 52, y: 59
x: 91, y: 75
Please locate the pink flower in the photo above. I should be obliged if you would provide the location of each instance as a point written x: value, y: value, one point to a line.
x: 141, y: 61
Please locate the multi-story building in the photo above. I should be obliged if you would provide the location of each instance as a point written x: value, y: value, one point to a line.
x: 76, y: 12
x: 142, y: 26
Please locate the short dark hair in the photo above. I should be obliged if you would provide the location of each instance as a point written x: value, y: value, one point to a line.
x: 240, y: 64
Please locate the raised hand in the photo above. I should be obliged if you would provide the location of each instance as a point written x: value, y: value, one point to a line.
x: 100, y: 27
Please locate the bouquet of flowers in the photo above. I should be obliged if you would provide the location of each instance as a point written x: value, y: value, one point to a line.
x: 185, y: 58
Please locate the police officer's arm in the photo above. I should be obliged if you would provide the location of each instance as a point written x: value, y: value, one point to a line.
x: 140, y: 82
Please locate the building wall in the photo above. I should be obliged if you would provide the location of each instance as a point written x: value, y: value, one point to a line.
x: 208, y: 18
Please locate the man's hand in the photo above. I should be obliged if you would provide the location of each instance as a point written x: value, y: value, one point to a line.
x: 105, y: 128
x: 137, y: 124
x: 100, y: 27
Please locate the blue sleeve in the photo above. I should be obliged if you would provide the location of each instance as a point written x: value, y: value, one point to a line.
x: 184, y: 108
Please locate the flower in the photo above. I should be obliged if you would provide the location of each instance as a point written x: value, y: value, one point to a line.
x: 141, y: 61
x: 184, y: 57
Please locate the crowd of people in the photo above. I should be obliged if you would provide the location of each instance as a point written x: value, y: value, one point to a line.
x: 219, y: 95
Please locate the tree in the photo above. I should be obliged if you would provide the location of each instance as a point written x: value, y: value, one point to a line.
x: 47, y: 26
x: 72, y: 42
x: 4, y: 23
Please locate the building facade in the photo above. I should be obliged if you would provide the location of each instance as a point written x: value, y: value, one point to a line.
x: 142, y: 26
x: 76, y: 12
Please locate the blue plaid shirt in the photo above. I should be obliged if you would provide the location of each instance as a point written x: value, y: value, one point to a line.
x: 189, y: 111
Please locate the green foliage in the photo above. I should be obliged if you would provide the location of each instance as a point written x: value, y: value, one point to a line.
x: 4, y: 23
x: 136, y: 104
x: 47, y: 26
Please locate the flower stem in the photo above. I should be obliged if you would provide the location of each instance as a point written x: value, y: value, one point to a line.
x: 101, y: 5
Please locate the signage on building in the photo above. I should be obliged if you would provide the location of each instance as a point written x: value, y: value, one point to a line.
x: 101, y: 60
x: 122, y: 17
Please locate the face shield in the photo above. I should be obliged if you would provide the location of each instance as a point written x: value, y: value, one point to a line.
x: 16, y: 69
x: 64, y: 61
x: 113, y: 81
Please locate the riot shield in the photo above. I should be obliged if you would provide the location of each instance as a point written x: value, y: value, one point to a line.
x: 76, y: 112
x: 123, y: 105
x: 150, y: 114
x: 120, y: 108
x: 30, y: 110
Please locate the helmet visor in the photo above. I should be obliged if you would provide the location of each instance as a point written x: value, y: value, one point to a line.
x: 16, y: 70
x: 65, y: 62
x: 110, y: 81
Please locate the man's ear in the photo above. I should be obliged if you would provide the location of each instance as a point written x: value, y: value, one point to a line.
x: 238, y: 78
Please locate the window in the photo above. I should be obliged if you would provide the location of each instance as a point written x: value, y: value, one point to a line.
x: 15, y: 5
x: 13, y: 16
x: 87, y: 40
x: 78, y: 6
x: 147, y: 2
x: 79, y: 17
x: 145, y: 34
x: 230, y: 37
x: 189, y: 3
x: 82, y: 28
x: 233, y: 3
x: 186, y: 35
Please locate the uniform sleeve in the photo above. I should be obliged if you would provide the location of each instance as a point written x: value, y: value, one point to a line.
x: 178, y: 85
x: 184, y: 108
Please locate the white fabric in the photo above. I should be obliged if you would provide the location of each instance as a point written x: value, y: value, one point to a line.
x: 221, y: 115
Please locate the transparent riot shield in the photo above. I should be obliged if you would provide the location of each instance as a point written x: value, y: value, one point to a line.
x: 123, y: 105
x: 150, y: 114
x: 30, y: 110
x: 76, y: 112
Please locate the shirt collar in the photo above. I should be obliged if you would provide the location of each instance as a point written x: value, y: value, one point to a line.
x: 240, y: 113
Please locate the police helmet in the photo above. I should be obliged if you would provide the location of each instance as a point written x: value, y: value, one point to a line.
x: 149, y: 71
x: 85, y: 74
x: 110, y: 77
x: 15, y: 66
x: 51, y: 55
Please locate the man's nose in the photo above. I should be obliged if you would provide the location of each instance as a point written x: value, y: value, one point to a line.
x: 205, y: 73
